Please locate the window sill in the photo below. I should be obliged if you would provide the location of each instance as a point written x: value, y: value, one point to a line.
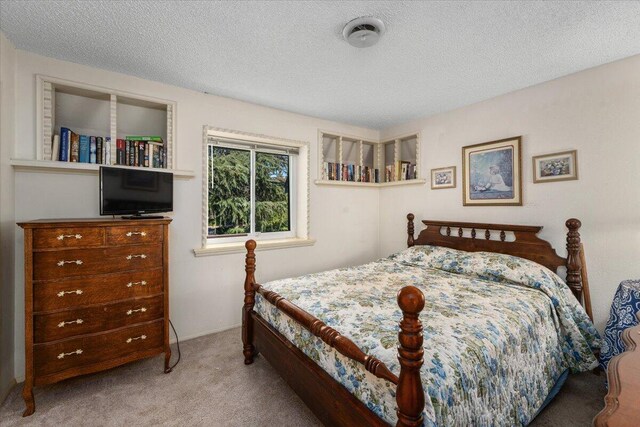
x: 264, y: 245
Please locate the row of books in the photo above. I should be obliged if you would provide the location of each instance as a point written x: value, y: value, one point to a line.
x: 135, y: 151
x: 401, y: 172
x: 142, y: 151
x: 71, y: 147
x: 348, y: 172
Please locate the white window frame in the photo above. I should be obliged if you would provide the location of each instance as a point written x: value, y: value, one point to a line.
x: 298, y: 193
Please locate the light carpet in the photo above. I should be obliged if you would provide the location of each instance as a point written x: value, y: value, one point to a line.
x: 212, y: 387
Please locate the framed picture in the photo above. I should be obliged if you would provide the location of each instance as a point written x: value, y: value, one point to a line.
x: 443, y: 178
x: 555, y: 167
x: 492, y: 173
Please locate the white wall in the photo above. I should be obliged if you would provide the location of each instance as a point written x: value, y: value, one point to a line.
x: 597, y: 112
x: 7, y: 116
x: 206, y: 293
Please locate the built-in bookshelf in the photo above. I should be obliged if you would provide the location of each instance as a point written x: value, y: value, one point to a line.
x: 351, y: 161
x: 120, y: 129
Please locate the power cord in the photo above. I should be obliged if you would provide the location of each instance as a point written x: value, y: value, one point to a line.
x: 177, y: 345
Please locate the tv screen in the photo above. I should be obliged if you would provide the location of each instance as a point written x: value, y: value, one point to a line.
x: 130, y: 191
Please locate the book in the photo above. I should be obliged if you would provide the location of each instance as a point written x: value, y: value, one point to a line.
x: 156, y: 156
x: 74, y: 139
x: 55, y: 147
x: 147, y: 148
x: 84, y: 148
x: 145, y: 138
x: 99, y: 149
x: 93, y: 150
x: 136, y: 153
x: 127, y: 152
x: 388, y: 173
x: 141, y: 152
x: 119, y: 151
x: 65, y: 133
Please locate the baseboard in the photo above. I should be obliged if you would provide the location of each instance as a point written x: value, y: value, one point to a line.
x: 202, y: 334
x: 7, y: 389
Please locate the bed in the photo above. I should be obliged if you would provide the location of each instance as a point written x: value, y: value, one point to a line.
x: 485, y: 331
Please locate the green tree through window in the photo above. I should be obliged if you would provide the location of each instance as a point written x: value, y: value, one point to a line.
x: 272, y: 192
x: 229, y: 207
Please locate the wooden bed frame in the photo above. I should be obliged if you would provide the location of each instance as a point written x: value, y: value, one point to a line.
x: 328, y: 399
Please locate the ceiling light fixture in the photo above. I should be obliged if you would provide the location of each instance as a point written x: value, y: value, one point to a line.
x: 363, y: 32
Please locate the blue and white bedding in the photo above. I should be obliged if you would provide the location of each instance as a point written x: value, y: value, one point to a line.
x: 499, y: 331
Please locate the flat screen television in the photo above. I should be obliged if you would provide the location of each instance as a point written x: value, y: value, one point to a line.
x: 135, y: 192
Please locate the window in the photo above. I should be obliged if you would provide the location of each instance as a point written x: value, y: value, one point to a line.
x: 249, y: 190
x: 256, y: 188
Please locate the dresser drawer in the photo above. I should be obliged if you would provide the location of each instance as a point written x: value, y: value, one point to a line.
x: 129, y: 235
x: 68, y: 237
x: 96, y: 348
x: 81, y: 291
x: 64, y: 324
x: 85, y: 262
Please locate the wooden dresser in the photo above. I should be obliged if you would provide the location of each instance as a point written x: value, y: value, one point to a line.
x: 622, y: 403
x: 96, y: 296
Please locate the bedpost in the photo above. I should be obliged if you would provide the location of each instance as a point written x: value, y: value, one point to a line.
x: 410, y: 239
x: 249, y: 300
x: 409, y: 393
x: 574, y: 264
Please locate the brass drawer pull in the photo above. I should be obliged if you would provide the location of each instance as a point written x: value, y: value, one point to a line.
x: 62, y: 293
x: 62, y: 355
x: 143, y: 256
x: 78, y: 321
x: 141, y: 283
x: 68, y: 236
x: 141, y: 310
x: 139, y: 233
x: 141, y: 337
x: 61, y: 263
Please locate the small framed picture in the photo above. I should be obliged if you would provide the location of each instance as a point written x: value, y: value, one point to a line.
x: 492, y: 173
x: 443, y: 178
x: 555, y: 167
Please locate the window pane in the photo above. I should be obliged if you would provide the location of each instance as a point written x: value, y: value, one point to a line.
x: 272, y: 192
x: 229, y: 191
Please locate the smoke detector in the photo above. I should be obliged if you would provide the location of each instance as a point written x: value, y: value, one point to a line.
x: 363, y: 32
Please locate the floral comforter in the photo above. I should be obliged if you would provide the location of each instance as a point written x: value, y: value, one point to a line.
x: 498, y: 331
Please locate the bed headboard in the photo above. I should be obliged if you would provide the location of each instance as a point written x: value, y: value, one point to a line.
x: 526, y: 244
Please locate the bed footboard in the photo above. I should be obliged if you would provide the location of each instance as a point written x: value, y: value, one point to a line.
x: 248, y: 349
x: 410, y: 393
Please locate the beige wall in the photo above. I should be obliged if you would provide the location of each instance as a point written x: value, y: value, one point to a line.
x: 206, y: 293
x: 597, y: 112
x: 7, y: 226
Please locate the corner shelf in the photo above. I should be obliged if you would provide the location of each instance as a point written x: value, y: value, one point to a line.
x: 345, y: 156
x: 84, y: 168
x: 369, y: 184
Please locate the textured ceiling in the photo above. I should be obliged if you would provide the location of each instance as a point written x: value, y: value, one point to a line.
x: 435, y: 56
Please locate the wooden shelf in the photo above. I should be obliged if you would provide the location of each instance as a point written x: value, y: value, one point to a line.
x: 370, y: 184
x: 98, y: 111
x: 406, y: 182
x: 83, y: 168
